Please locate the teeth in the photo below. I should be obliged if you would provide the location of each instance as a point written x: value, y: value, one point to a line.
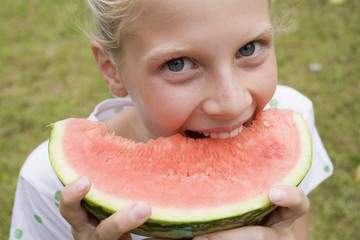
x: 236, y: 131
x: 224, y: 135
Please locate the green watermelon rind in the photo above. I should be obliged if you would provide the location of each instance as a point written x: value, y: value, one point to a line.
x: 174, y: 229
x: 166, y: 223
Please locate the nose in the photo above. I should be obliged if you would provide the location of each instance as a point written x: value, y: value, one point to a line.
x: 228, y: 95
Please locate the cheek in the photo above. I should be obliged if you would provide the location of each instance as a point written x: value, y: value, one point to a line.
x: 266, y: 82
x: 165, y: 113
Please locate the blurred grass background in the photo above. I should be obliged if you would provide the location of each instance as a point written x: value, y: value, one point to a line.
x: 47, y: 73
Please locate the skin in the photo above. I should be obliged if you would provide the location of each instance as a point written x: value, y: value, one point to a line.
x: 188, y: 70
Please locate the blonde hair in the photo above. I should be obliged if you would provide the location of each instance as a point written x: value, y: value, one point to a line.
x: 111, y: 18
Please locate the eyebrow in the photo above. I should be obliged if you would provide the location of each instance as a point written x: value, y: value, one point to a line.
x: 166, y: 53
x: 269, y: 29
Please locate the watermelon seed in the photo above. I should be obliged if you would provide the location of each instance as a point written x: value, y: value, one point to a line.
x: 266, y: 123
x: 171, y: 173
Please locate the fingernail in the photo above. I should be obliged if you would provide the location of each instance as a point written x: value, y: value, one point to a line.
x: 277, y: 195
x: 200, y: 238
x: 140, y: 211
x: 81, y: 184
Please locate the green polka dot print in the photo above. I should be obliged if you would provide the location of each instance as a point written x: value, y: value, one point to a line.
x: 118, y: 109
x: 327, y: 169
x: 274, y: 103
x: 38, y: 218
x: 18, y: 233
x: 57, y: 198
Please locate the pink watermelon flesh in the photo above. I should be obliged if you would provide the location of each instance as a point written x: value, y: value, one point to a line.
x: 183, y: 173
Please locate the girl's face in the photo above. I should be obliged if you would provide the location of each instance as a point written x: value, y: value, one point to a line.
x: 199, y: 68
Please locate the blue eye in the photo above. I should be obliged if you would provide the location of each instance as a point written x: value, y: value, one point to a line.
x: 248, y: 49
x: 179, y: 64
x: 176, y: 65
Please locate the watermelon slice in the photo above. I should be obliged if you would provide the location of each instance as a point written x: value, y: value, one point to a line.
x: 194, y: 186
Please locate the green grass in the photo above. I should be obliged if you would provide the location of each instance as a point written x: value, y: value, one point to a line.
x: 48, y: 73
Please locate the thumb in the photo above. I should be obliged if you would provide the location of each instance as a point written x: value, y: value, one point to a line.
x: 293, y: 205
x: 70, y: 202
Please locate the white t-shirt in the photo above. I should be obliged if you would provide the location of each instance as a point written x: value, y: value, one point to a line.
x: 36, y: 214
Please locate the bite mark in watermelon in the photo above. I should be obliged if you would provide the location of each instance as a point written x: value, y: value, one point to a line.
x: 193, y: 186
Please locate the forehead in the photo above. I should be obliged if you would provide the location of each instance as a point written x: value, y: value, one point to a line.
x: 193, y: 23
x: 158, y: 13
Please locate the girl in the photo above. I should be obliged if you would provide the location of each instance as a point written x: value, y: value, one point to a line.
x: 198, y: 68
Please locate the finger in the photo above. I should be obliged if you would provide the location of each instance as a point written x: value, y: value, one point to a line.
x: 122, y: 222
x: 70, y: 205
x: 248, y: 233
x: 293, y: 204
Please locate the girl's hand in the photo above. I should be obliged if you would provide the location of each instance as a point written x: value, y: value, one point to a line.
x: 86, y: 227
x: 278, y: 225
